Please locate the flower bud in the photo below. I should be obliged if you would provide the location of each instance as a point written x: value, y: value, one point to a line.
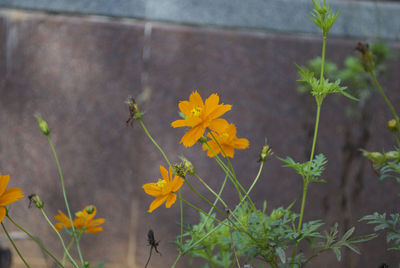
x: 179, y: 170
x: 36, y: 200
x: 366, y: 58
x: 202, y: 140
x: 187, y: 165
x: 392, y: 156
x: 392, y: 125
x: 375, y: 157
x: 42, y: 125
x: 276, y: 214
x: 90, y: 209
x: 265, y: 152
x: 134, y: 113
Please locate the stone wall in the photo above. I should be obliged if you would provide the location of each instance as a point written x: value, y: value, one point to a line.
x: 78, y: 70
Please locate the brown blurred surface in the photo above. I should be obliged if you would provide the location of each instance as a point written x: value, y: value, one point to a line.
x: 77, y: 72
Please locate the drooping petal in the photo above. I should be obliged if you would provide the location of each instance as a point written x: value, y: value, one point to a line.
x: 220, y: 110
x: 192, y: 136
x: 94, y: 229
x: 2, y: 213
x: 218, y: 125
x: 185, y: 107
x: 211, y: 104
x: 214, y: 148
x: 63, y: 221
x: 164, y: 173
x: 196, y: 99
x: 152, y: 189
x: 3, y: 183
x: 177, y: 183
x: 231, y: 130
x: 157, y: 202
x: 11, y: 195
x: 170, y: 171
x: 170, y: 200
x: 241, y: 143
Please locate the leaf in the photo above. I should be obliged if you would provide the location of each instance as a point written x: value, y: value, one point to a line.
x: 281, y: 254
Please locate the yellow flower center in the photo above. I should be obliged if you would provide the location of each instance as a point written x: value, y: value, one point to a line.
x: 161, y: 183
x: 225, y: 135
x: 79, y: 214
x: 196, y: 111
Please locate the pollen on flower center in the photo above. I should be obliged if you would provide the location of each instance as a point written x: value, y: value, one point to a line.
x: 196, y: 111
x: 161, y: 183
x: 225, y: 135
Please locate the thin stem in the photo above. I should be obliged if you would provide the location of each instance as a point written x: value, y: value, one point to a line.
x: 211, y: 190
x: 61, y: 239
x: 154, y: 142
x: 323, y: 59
x: 36, y: 241
x: 15, y: 246
x: 254, y: 181
x: 65, y: 199
x: 68, y: 247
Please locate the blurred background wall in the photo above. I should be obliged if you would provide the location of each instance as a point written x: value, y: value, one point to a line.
x: 75, y: 62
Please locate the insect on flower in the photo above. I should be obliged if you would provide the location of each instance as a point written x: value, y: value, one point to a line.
x: 153, y: 244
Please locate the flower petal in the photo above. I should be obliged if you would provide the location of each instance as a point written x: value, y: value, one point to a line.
x: 196, y: 99
x: 152, y: 189
x: 188, y: 122
x: 3, y: 183
x: 176, y: 184
x: 157, y: 202
x: 192, y: 136
x: 164, y: 173
x: 220, y: 110
x: 2, y: 213
x: 170, y: 200
x: 11, y: 195
x: 228, y: 150
x: 218, y: 125
x: 211, y: 104
x: 241, y: 143
x: 185, y: 107
x: 214, y: 148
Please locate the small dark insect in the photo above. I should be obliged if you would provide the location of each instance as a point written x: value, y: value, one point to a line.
x: 132, y: 110
x: 153, y: 244
x: 383, y: 265
x: 30, y: 200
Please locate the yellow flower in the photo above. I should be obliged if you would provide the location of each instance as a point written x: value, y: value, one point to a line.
x: 200, y: 116
x: 163, y: 190
x: 7, y: 196
x: 83, y: 221
x: 227, y: 140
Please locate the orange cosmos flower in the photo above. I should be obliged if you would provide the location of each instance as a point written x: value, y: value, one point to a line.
x: 163, y: 190
x: 200, y: 116
x: 7, y: 196
x: 227, y: 140
x: 83, y: 221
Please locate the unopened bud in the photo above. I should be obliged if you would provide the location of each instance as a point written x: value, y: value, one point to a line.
x: 90, y: 209
x: 375, y: 157
x: 134, y: 113
x: 276, y: 214
x: 187, y: 165
x: 36, y: 200
x: 86, y: 264
x: 179, y: 170
x: 392, y: 156
x: 366, y: 57
x: 42, y: 125
x: 265, y: 152
x: 392, y: 125
x: 202, y: 140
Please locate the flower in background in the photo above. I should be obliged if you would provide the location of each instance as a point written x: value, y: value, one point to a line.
x: 84, y: 220
x: 7, y: 196
x: 199, y: 116
x: 163, y: 190
x: 227, y: 140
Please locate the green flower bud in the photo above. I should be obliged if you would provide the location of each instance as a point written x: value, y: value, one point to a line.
x: 179, y: 170
x: 134, y: 113
x: 392, y: 125
x: 392, y: 156
x: 276, y: 214
x: 187, y: 165
x: 42, y: 125
x: 36, y: 200
x: 375, y: 157
x: 366, y: 57
x: 265, y: 152
x: 202, y: 140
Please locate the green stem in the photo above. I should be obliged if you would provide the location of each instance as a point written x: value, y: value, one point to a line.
x: 36, y: 241
x: 181, y: 216
x: 15, y: 246
x: 254, y: 181
x: 61, y: 239
x: 211, y: 190
x: 388, y: 103
x: 65, y: 199
x: 323, y: 59
x: 68, y: 247
x: 154, y: 142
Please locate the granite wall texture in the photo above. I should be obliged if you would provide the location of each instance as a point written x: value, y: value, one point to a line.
x: 77, y: 72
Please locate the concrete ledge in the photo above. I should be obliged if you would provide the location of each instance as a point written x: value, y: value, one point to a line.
x: 357, y: 19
